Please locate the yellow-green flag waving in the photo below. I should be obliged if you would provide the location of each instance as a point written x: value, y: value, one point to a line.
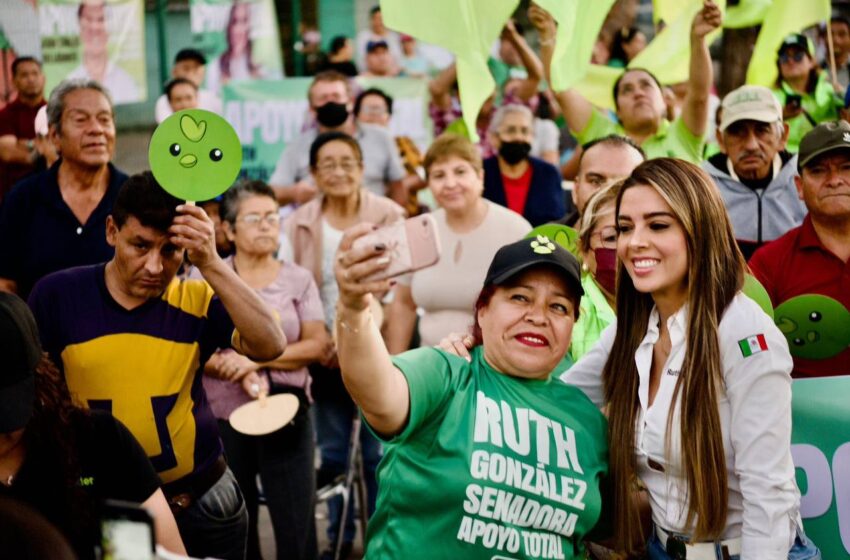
x: 577, y: 32
x: 783, y: 18
x: 467, y: 28
x: 746, y: 14
x: 668, y: 55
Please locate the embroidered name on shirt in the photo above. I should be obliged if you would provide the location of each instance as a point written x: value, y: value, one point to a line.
x: 673, y: 372
x: 752, y: 345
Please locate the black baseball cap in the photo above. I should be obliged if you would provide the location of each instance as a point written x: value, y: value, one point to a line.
x: 797, y: 40
x: 825, y: 137
x: 21, y: 351
x: 372, y: 46
x: 516, y: 257
x: 190, y: 54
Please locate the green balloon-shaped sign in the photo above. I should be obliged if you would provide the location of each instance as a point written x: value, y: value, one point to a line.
x: 195, y: 155
x: 756, y: 292
x: 817, y: 327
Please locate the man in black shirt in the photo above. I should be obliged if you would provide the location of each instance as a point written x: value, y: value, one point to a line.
x: 57, y: 219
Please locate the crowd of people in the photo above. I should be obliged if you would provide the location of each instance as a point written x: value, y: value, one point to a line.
x: 582, y: 372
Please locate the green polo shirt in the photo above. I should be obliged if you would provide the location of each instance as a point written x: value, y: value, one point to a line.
x: 595, y: 314
x: 671, y: 140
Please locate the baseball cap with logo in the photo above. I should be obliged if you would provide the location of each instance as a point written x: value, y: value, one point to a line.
x: 21, y: 351
x: 516, y: 257
x: 825, y: 137
x: 754, y: 103
x: 799, y: 41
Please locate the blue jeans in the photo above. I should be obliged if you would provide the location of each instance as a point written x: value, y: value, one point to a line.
x: 333, y: 433
x: 216, y: 525
x: 803, y: 549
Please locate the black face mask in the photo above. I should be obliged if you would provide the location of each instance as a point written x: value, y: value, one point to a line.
x: 331, y: 114
x: 514, y: 152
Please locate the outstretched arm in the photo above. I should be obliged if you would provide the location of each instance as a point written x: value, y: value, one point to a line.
x: 375, y: 384
x: 532, y: 64
x: 577, y: 110
x: 440, y: 87
x: 695, y: 109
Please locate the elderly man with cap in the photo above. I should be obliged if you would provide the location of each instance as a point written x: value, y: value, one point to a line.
x: 805, y: 93
x: 806, y: 272
x: 754, y: 172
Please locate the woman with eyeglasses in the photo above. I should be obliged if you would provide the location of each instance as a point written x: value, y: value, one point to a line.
x: 598, y: 247
x: 315, y: 230
x: 806, y: 94
x: 282, y: 459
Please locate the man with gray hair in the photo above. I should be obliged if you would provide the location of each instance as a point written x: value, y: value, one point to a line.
x: 527, y: 185
x: 57, y: 219
x: 754, y: 172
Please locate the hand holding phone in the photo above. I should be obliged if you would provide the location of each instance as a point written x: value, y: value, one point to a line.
x: 410, y: 245
x: 127, y: 532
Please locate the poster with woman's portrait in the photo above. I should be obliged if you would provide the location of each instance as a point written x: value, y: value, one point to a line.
x: 239, y: 38
x: 102, y: 40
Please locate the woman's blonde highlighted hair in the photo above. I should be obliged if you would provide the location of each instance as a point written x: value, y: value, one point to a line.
x: 715, y: 274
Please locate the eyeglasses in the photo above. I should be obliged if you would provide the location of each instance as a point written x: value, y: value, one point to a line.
x: 347, y: 166
x: 373, y: 111
x: 796, y: 56
x: 607, y: 237
x: 254, y: 219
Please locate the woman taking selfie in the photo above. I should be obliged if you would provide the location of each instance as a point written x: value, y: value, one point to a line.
x: 459, y: 434
x: 698, y: 377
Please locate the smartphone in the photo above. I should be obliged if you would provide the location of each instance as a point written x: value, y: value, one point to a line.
x: 793, y: 101
x: 127, y: 532
x: 411, y: 245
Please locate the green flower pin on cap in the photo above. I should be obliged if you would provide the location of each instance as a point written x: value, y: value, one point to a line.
x: 195, y: 155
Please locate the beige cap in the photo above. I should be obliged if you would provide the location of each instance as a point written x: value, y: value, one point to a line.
x: 755, y: 103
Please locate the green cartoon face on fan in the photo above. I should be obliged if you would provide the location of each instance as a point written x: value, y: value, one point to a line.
x: 817, y: 327
x: 195, y: 155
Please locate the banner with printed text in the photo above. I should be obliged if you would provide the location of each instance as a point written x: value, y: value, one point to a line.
x: 239, y: 38
x: 103, y: 40
x: 821, y: 449
x: 267, y: 114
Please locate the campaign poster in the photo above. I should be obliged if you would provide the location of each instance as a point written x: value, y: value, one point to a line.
x: 267, y: 114
x: 101, y: 40
x: 821, y: 449
x: 239, y: 38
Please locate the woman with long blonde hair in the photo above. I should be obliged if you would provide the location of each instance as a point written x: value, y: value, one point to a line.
x: 698, y: 377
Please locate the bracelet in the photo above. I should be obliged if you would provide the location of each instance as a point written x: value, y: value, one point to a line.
x: 349, y: 328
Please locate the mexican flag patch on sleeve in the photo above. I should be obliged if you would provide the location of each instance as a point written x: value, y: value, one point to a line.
x: 752, y: 345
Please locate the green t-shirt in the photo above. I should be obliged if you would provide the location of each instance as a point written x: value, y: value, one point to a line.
x: 671, y: 140
x: 595, y: 314
x: 489, y: 466
x: 822, y: 105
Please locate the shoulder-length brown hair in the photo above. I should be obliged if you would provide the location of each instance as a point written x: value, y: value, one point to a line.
x: 715, y: 274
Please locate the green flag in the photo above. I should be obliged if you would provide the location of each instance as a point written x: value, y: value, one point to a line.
x: 747, y: 13
x: 467, y: 28
x: 668, y: 55
x: 667, y: 10
x: 783, y: 18
x: 577, y: 32
x: 598, y: 84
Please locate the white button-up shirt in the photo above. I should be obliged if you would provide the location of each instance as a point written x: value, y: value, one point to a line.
x: 755, y: 417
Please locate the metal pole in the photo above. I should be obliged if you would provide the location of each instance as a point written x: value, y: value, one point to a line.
x: 162, y: 44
